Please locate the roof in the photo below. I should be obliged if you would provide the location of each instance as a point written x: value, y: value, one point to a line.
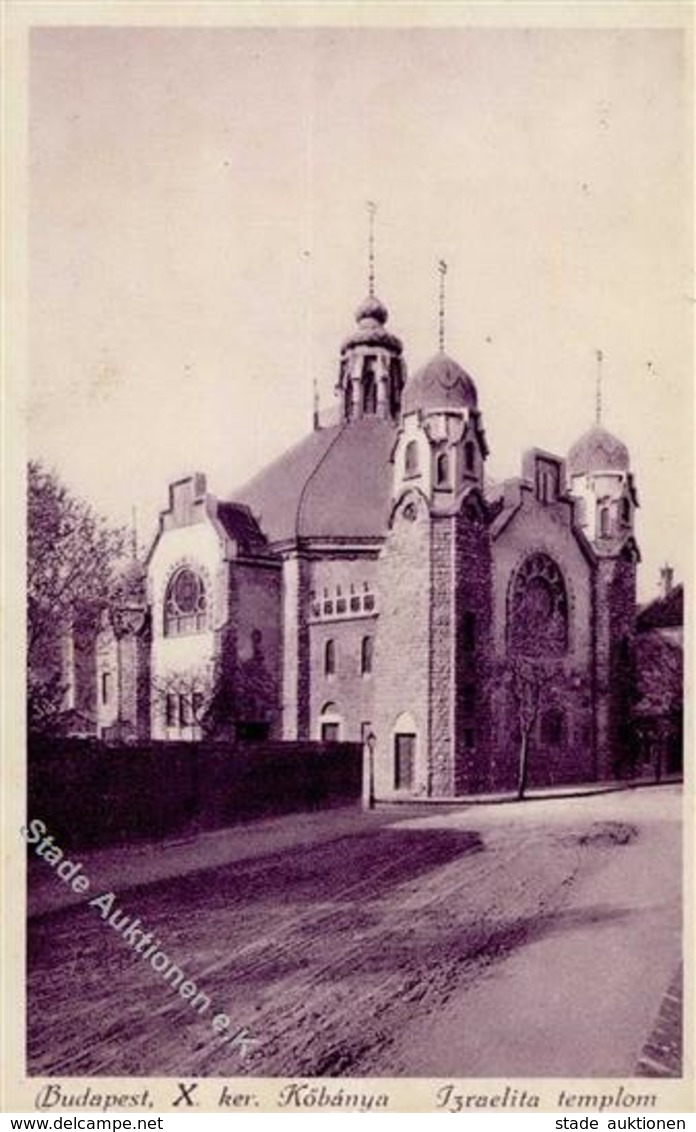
x: 664, y: 612
x: 371, y: 317
x: 598, y: 451
x: 440, y: 385
x: 336, y: 483
x: 239, y: 524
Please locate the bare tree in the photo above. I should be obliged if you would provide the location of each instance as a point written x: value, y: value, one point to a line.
x: 71, y: 555
x: 531, y: 684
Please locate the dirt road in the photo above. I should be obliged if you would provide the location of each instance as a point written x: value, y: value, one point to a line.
x: 405, y: 946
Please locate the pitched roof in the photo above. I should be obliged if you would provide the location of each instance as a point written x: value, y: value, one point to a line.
x: 664, y: 612
x: 240, y: 525
x: 334, y: 484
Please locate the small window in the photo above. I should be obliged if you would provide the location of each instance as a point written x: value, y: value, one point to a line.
x: 468, y: 699
x: 198, y: 703
x: 328, y: 608
x: 442, y: 470
x: 330, y: 732
x: 185, y: 714
x: 330, y: 658
x: 369, y: 388
x: 341, y: 605
x: 404, y: 758
x: 172, y: 710
x: 366, y: 656
x: 625, y: 511
x: 106, y: 687
x: 468, y: 637
x: 411, y: 458
x: 470, y: 456
x: 604, y: 523
x: 365, y: 731
x: 369, y: 602
x: 355, y: 604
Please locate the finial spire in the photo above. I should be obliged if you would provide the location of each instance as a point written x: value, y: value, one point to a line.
x: 598, y: 392
x: 371, y: 213
x: 134, y: 534
x: 315, y: 413
x: 442, y: 271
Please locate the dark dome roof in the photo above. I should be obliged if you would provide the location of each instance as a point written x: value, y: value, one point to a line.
x: 371, y: 317
x: 336, y: 483
x: 598, y: 451
x: 440, y: 384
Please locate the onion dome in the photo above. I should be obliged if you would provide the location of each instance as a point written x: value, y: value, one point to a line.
x: 440, y: 385
x: 597, y: 451
x: 371, y: 317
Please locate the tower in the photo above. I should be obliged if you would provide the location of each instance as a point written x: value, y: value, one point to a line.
x: 372, y: 370
x: 602, y: 484
x: 435, y: 583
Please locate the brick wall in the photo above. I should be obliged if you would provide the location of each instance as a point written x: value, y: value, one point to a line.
x: 402, y: 655
x: 546, y: 528
x: 474, y: 596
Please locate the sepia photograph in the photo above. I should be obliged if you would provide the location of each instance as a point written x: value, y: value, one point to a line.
x: 358, y: 497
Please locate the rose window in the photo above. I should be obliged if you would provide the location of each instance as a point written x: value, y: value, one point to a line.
x: 185, y: 607
x: 539, y: 609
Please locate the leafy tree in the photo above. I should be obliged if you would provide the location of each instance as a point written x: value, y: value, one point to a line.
x: 659, y: 692
x: 71, y: 555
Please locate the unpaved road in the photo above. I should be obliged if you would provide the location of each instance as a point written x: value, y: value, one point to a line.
x: 530, y: 939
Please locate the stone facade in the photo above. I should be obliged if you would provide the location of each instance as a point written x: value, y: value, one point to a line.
x: 373, y: 582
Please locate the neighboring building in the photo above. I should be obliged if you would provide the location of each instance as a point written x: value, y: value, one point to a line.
x: 372, y: 582
x: 658, y: 708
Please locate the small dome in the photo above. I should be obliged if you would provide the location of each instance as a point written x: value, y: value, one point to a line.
x: 440, y: 385
x: 371, y: 317
x: 373, y: 308
x: 598, y: 451
x: 130, y: 581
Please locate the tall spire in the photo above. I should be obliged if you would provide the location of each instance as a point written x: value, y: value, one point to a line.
x: 371, y: 213
x: 598, y: 391
x: 442, y: 271
x: 134, y: 534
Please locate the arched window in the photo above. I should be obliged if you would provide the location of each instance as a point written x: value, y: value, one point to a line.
x: 538, y: 609
x: 411, y: 458
x: 329, y: 723
x: 470, y: 456
x: 442, y: 476
x: 366, y: 650
x: 604, y: 522
x: 185, y: 604
x: 405, y: 740
x: 330, y: 658
x: 369, y: 389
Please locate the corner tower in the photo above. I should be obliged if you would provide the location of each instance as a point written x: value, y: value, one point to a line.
x: 601, y: 482
x: 432, y: 718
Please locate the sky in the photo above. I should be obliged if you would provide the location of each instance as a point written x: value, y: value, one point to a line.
x: 198, y: 232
